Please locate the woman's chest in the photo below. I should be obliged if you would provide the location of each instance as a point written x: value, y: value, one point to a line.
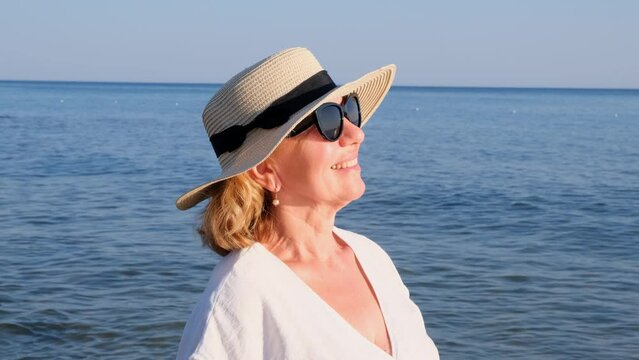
x: 350, y: 295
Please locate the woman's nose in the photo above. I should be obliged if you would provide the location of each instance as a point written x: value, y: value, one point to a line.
x: 351, y: 134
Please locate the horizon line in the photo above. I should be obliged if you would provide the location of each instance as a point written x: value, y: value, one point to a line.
x: 393, y: 86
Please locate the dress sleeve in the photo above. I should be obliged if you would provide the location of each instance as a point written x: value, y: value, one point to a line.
x: 229, y: 327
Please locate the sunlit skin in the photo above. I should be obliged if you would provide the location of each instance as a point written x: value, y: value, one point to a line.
x: 310, y: 191
x: 310, y: 194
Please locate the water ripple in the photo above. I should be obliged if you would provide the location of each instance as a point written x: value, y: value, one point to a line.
x: 516, y: 237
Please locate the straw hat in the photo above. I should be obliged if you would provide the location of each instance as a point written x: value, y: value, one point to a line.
x: 281, y: 89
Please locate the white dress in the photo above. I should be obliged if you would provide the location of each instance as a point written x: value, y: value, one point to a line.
x: 255, y: 307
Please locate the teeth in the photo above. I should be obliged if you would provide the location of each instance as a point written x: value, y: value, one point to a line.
x: 344, y: 165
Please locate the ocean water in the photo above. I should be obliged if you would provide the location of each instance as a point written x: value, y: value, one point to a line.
x: 511, y: 214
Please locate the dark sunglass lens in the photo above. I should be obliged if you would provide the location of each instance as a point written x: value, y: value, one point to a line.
x: 303, y: 125
x: 352, y: 111
x: 329, y: 119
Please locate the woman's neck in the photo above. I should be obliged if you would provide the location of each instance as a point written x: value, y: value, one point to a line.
x: 303, y: 235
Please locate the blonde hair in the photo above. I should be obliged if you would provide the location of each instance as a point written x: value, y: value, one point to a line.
x: 237, y: 215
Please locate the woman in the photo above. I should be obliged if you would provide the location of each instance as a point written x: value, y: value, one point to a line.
x: 291, y: 285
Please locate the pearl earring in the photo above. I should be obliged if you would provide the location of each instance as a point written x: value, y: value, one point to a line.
x: 275, y: 200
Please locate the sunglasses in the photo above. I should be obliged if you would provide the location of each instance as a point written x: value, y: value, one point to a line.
x: 329, y: 118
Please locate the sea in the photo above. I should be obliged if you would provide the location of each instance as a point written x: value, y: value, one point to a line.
x: 512, y: 215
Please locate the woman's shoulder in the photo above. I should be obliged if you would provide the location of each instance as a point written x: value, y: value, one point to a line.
x: 232, y: 284
x: 377, y: 259
x: 363, y: 244
x: 235, y: 274
x: 231, y: 299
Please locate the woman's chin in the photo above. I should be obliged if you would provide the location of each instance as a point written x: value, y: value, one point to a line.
x: 356, y: 192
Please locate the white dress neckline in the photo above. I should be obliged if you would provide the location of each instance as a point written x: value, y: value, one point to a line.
x: 304, y: 288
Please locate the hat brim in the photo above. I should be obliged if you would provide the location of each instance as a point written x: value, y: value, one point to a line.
x: 260, y: 143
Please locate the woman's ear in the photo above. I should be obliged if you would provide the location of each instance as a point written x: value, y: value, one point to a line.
x: 264, y: 174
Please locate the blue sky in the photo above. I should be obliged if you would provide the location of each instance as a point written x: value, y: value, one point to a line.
x: 535, y: 43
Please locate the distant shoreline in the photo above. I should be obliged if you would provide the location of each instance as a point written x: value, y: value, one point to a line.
x: 434, y: 87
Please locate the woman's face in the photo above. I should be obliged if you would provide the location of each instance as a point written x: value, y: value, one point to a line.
x: 316, y: 172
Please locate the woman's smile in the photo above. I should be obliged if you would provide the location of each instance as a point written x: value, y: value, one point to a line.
x: 346, y: 165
